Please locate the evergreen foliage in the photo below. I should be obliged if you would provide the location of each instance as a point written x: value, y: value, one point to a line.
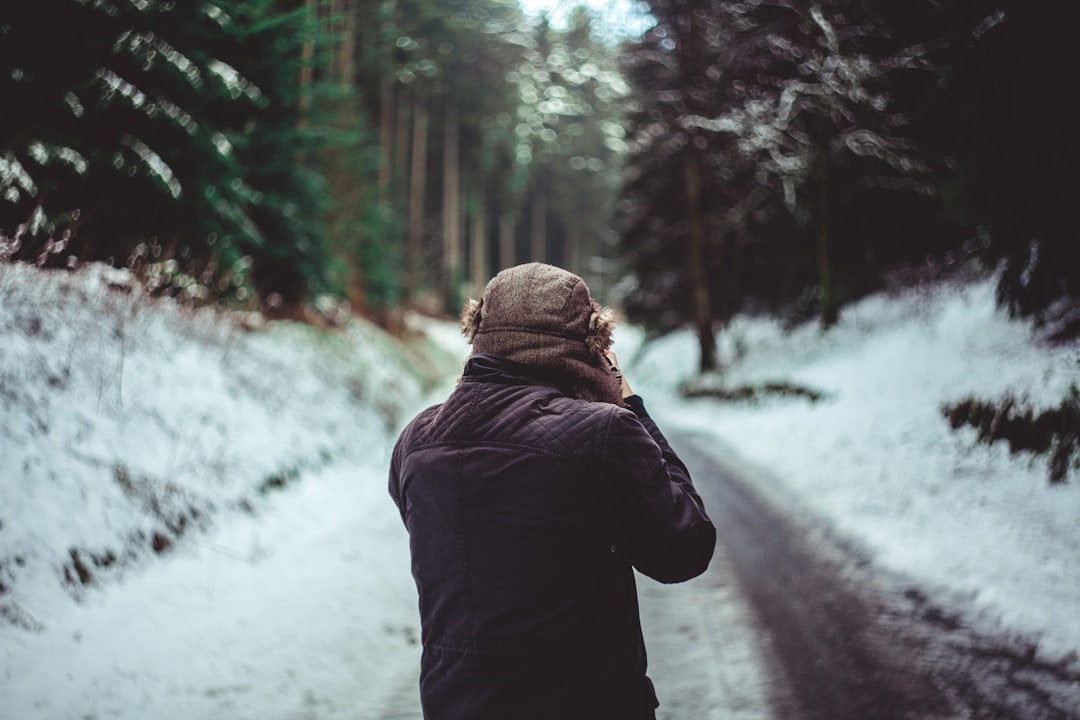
x: 763, y: 154
x: 1054, y: 432
x: 289, y: 248
x: 145, y: 131
x: 839, y: 141
x: 1010, y: 124
x: 791, y: 114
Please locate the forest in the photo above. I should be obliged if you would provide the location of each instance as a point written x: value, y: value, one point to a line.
x: 752, y: 155
x: 839, y: 241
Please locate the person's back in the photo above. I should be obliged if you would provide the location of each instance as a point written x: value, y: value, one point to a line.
x: 528, y: 496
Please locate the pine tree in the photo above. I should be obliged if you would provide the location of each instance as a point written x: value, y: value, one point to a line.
x: 1006, y: 114
x: 146, y: 131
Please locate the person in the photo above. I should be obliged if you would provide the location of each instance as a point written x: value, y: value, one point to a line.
x: 529, y: 496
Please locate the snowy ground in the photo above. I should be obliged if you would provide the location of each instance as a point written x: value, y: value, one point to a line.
x: 256, y: 462
x: 258, y: 457
x: 876, y: 459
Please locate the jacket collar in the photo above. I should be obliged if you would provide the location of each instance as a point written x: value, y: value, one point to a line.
x: 482, y: 367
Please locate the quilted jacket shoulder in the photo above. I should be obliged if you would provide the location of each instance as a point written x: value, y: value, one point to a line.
x: 534, y: 417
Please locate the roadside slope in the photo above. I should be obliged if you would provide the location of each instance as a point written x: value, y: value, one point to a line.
x: 193, y: 511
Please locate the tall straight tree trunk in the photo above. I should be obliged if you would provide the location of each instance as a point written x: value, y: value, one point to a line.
x: 307, y: 58
x: 538, y: 227
x: 690, y: 30
x: 572, y: 251
x: 451, y: 225
x: 417, y: 189
x: 342, y: 181
x: 386, y: 136
x: 345, y: 27
x: 699, y: 278
x: 507, y: 241
x: 478, y: 255
x: 829, y: 310
x: 404, y: 120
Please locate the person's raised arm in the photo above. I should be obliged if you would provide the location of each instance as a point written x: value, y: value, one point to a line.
x: 660, y: 513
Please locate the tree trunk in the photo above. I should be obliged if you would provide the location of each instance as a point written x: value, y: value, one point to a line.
x: 307, y: 58
x: 690, y: 29
x: 404, y: 120
x: 538, y: 227
x: 417, y: 188
x: 345, y: 25
x: 451, y: 224
x: 699, y: 279
x: 829, y: 310
x: 507, y: 241
x: 386, y: 136
x: 572, y: 251
x: 478, y: 254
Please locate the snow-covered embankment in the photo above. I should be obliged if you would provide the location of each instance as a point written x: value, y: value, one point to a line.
x: 193, y: 515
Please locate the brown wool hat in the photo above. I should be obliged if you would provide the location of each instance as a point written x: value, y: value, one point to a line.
x: 543, y: 316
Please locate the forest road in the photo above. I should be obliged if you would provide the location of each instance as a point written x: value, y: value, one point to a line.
x: 840, y: 639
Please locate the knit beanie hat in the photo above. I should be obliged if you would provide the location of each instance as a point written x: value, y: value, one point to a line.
x: 543, y: 317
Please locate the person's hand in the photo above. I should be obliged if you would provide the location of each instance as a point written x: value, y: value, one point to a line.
x: 614, y: 362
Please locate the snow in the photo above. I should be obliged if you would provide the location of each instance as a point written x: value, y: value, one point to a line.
x: 876, y: 460
x: 258, y: 454
x: 124, y: 419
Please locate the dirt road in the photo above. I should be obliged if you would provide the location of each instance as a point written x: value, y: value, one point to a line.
x: 836, y: 637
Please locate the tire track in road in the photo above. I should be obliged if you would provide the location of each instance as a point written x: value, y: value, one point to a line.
x: 832, y: 655
x: 705, y: 656
x: 849, y: 641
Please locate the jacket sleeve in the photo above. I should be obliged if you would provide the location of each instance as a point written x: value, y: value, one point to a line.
x: 405, y: 442
x: 660, y: 514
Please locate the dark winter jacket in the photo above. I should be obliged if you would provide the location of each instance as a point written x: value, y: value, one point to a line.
x: 526, y: 510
